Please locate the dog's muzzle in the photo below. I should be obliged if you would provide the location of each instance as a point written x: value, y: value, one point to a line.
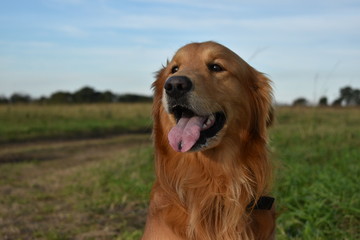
x: 194, y: 126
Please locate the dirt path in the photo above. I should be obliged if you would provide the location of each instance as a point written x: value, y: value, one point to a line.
x: 32, y: 180
x: 52, y: 150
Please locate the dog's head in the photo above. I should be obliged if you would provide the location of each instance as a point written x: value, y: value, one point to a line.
x: 207, y: 92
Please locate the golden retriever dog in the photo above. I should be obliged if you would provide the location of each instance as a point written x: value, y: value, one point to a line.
x: 211, y: 111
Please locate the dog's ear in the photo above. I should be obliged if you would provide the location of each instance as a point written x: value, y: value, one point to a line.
x: 265, y: 83
x: 158, y: 76
x: 264, y: 111
x: 156, y: 86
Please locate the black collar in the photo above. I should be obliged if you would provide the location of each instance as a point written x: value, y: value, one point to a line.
x: 263, y: 203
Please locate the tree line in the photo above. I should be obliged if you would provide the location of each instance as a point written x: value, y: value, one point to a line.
x: 348, y: 97
x: 83, y: 95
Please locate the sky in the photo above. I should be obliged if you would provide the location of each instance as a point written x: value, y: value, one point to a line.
x: 307, y: 48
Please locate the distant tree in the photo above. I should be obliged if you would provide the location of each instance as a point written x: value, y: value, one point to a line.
x: 133, y: 98
x: 337, y: 102
x: 86, y: 95
x: 323, y: 101
x: 61, y: 97
x: 20, y: 98
x: 83, y: 95
x: 300, y: 102
x: 346, y: 94
x: 3, y: 100
x: 42, y: 100
x: 356, y: 96
x: 350, y: 96
x: 108, y: 97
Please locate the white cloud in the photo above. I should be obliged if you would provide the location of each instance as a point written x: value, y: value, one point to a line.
x: 72, y: 31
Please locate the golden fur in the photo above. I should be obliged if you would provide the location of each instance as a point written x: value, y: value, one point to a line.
x: 204, y: 195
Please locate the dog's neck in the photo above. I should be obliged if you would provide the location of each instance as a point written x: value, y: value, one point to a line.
x: 211, y: 190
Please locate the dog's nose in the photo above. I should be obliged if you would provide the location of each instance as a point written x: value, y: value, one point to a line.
x: 177, y: 86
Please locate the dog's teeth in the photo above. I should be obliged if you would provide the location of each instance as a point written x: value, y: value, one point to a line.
x: 209, y: 121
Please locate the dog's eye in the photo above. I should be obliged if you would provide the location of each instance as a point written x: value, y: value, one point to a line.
x: 215, y: 68
x: 174, y: 69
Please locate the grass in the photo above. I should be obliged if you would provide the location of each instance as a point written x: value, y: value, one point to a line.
x: 95, y: 189
x: 317, y: 190
x: 28, y: 122
x: 99, y: 188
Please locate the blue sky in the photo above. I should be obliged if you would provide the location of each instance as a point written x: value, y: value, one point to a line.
x: 308, y: 48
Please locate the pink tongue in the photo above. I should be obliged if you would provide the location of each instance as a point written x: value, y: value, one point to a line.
x: 185, y: 134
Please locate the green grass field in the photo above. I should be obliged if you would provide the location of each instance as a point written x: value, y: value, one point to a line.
x: 28, y: 122
x: 317, y: 185
x: 98, y: 188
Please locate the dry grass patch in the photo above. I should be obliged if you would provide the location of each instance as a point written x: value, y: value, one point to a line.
x: 81, y: 194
